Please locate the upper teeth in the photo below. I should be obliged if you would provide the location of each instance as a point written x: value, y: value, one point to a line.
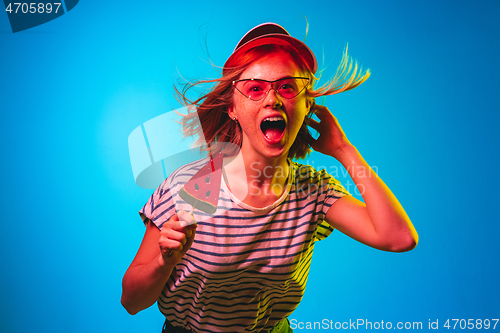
x: 273, y: 119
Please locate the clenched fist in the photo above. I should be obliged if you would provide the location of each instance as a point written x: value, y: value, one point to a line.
x: 177, y: 236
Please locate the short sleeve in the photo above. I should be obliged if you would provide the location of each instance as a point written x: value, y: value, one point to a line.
x: 333, y: 191
x: 160, y: 207
x: 165, y: 201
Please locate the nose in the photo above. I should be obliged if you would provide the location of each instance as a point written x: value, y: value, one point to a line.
x: 273, y: 98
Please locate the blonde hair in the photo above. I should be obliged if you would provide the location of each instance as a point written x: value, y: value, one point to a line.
x: 346, y: 78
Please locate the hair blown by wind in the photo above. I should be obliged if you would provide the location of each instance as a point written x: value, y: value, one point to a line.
x: 346, y: 78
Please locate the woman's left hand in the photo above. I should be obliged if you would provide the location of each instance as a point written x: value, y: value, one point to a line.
x: 332, y: 138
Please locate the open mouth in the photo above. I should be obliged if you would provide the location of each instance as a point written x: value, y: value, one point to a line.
x: 273, y: 128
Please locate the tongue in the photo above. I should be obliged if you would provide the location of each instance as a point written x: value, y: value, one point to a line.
x: 273, y: 134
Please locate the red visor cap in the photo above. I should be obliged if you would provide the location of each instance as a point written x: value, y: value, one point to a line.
x: 271, y: 33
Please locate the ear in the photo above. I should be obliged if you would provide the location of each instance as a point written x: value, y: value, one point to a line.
x: 310, y: 102
x: 230, y: 112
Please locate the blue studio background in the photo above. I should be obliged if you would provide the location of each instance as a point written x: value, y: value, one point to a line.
x: 73, y: 89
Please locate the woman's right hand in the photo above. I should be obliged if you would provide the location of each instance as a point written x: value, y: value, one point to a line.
x: 152, y: 266
x: 176, y: 237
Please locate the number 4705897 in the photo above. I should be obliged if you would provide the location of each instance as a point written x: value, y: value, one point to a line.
x: 33, y: 7
x: 471, y: 324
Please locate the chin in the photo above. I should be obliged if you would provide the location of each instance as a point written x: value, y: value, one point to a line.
x: 278, y: 151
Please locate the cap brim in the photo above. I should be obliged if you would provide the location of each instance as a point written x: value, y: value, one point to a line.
x: 276, y: 39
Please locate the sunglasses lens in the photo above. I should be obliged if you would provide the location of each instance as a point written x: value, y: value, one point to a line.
x: 290, y: 87
x: 253, y: 89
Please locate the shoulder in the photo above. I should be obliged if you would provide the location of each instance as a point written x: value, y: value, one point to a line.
x: 304, y: 174
x: 183, y: 174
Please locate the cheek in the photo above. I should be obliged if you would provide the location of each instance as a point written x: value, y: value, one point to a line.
x: 300, y: 113
x: 240, y: 106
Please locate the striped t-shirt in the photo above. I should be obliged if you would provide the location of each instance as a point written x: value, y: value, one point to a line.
x: 247, y: 268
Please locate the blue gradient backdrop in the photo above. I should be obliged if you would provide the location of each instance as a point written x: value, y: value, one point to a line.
x: 74, y: 88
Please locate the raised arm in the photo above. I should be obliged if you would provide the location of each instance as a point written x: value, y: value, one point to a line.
x: 381, y: 221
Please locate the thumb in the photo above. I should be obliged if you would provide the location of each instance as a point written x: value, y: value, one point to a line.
x: 190, y: 232
x: 185, y: 218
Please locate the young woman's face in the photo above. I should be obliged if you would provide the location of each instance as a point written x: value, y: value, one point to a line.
x: 271, y: 124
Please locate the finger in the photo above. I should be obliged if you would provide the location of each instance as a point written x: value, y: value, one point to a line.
x: 175, y: 225
x: 190, y: 230
x: 313, y: 123
x: 185, y: 217
x: 322, y: 112
x: 190, y: 239
x: 177, y: 235
x: 168, y: 245
x: 320, y: 108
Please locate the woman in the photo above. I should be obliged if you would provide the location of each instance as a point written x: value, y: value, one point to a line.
x: 244, y: 269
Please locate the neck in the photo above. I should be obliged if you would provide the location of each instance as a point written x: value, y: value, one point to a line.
x: 251, y: 177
